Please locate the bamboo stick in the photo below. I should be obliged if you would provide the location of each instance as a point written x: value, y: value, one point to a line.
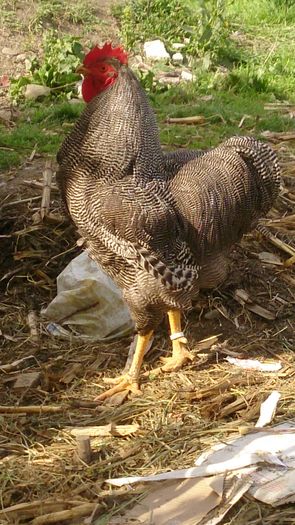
x: 63, y: 515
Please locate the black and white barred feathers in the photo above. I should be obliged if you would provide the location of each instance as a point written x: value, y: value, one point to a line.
x: 159, y: 224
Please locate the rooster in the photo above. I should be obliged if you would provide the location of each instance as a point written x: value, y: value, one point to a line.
x: 161, y: 225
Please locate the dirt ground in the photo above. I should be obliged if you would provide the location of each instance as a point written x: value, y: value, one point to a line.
x: 178, y: 415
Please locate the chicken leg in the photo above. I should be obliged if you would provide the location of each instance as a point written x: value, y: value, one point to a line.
x: 180, y: 354
x: 129, y: 382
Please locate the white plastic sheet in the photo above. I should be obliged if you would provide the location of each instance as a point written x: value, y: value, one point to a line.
x: 88, y: 305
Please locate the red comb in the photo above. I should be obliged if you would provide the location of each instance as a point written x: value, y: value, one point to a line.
x: 107, y: 51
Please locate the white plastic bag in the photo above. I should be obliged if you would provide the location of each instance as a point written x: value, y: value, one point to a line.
x: 88, y: 303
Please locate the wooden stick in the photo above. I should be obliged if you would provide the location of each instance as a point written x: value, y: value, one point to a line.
x: 31, y: 508
x: 33, y: 324
x: 32, y: 409
x: 289, y: 261
x: 71, y: 514
x: 233, y: 407
x: 198, y: 119
x: 84, y: 449
x: 18, y: 364
x: 104, y: 430
x: 47, y: 179
x: 21, y: 201
x: 275, y: 240
x: 37, y: 184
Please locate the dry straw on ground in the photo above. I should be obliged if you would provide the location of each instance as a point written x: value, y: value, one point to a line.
x: 47, y: 385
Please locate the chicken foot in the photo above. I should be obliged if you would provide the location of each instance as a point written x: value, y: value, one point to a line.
x: 180, y: 354
x: 129, y: 382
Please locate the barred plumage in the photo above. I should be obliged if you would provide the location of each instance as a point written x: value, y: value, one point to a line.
x: 160, y: 224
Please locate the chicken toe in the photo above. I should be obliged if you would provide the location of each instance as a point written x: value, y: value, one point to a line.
x: 128, y: 382
x: 122, y: 384
x: 180, y: 356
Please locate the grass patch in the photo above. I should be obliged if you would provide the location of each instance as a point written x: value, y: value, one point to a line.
x: 200, y: 25
x: 268, y: 39
x: 46, y: 126
x: 260, y: 70
x: 223, y: 113
x: 40, y: 126
x: 37, y: 15
x: 257, y: 12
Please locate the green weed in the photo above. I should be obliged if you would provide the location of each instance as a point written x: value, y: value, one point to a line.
x: 41, y: 126
x: 61, y: 57
x: 200, y: 24
x: 56, y: 13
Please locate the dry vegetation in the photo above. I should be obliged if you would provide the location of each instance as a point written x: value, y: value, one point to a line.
x: 42, y: 476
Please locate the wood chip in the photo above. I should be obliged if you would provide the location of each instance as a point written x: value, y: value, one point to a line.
x: 262, y: 312
x: 71, y: 373
x: 270, y: 258
x: 47, y: 179
x: 18, y: 364
x: 33, y: 323
x: 285, y: 135
x: 84, y: 451
x: 206, y: 344
x: 105, y: 430
x: 28, y: 380
x: 197, y: 119
x: 242, y: 297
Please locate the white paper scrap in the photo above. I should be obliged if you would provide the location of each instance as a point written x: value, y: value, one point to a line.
x: 277, y: 488
x: 237, y: 462
x: 268, y: 409
x: 254, y: 364
x: 275, y: 446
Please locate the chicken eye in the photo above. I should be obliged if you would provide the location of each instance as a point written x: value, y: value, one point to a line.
x: 103, y: 68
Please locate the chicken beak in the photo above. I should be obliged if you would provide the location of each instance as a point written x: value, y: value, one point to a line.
x: 83, y: 70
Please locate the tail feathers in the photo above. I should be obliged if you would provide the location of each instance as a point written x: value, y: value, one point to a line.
x: 261, y: 154
x: 172, y: 277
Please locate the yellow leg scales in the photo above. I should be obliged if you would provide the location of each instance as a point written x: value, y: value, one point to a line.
x: 180, y: 353
x: 129, y: 382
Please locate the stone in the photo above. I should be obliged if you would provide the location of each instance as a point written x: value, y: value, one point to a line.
x: 9, y: 51
x: 28, y: 64
x: 75, y: 101
x: 34, y: 91
x: 21, y: 57
x: 155, y: 50
x: 187, y: 76
x: 5, y: 115
x: 177, y: 45
x: 169, y: 80
x: 177, y: 57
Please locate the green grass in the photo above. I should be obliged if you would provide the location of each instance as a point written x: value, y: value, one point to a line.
x: 41, y: 126
x: 223, y: 115
x: 255, y: 13
x: 37, y: 15
x: 268, y: 30
x: 261, y: 69
x: 47, y: 126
